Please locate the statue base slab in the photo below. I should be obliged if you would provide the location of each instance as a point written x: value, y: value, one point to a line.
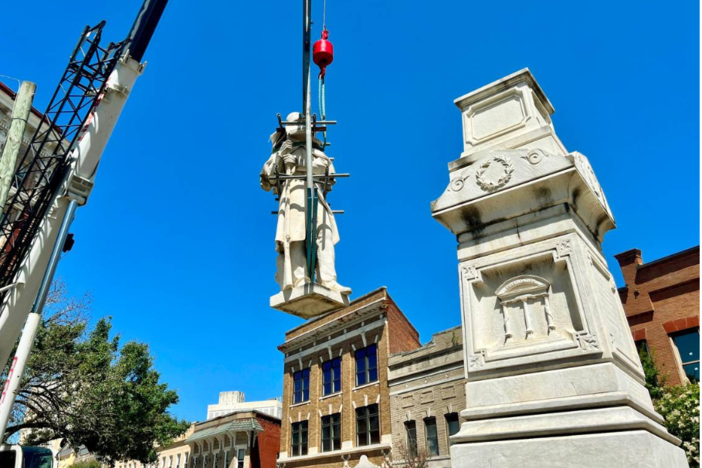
x: 632, y: 448
x: 309, y: 300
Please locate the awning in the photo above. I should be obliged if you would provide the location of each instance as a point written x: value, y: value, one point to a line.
x: 240, y: 425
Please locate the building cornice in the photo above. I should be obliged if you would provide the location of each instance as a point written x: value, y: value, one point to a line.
x: 351, y: 318
x: 336, y: 453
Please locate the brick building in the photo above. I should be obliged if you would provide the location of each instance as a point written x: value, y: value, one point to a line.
x: 243, y: 439
x: 336, y: 402
x: 427, y: 394
x: 662, y: 304
x: 175, y: 455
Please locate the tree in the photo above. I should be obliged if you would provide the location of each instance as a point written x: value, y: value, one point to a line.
x: 654, y: 382
x: 679, y: 405
x: 80, y: 385
x: 411, y: 456
x: 87, y: 464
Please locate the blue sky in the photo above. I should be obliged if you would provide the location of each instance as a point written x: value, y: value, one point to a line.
x: 176, y: 243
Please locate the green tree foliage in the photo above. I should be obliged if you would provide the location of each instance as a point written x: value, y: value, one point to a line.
x: 679, y: 405
x: 87, y: 464
x: 654, y: 382
x: 82, y: 386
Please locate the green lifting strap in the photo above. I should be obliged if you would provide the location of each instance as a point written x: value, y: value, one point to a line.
x: 322, y: 105
x: 312, y: 202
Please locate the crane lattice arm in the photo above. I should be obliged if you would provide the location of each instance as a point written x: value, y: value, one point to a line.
x: 42, y: 169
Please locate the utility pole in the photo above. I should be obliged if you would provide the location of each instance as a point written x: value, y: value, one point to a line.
x: 20, y: 115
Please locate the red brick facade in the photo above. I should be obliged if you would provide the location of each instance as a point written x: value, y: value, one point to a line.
x: 661, y: 298
x: 265, y: 452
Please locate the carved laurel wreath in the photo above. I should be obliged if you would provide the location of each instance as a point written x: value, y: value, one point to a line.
x: 490, y: 185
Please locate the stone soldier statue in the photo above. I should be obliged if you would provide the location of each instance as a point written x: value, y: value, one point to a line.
x: 288, y: 158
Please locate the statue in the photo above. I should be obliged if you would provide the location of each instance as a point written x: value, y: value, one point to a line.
x: 288, y: 158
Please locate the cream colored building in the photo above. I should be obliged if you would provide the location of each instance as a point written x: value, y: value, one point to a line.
x: 230, y: 402
x: 176, y: 455
x: 426, y: 397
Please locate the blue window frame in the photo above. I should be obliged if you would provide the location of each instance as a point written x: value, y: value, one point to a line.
x: 331, y: 376
x: 367, y: 365
x: 301, y: 386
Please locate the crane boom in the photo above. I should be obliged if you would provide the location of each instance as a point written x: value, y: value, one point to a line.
x: 69, y: 184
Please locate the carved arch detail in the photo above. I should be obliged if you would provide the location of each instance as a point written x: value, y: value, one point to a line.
x: 523, y: 290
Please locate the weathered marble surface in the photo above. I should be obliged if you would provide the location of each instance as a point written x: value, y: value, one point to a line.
x: 288, y: 158
x: 637, y: 448
x: 547, y: 347
x: 309, y: 300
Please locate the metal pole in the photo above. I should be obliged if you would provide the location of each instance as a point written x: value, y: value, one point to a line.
x: 306, y: 40
x: 307, y: 101
x: 20, y: 115
x: 19, y: 363
x: 55, y: 257
x: 16, y: 371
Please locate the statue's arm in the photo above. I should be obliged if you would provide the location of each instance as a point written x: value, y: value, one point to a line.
x: 321, y: 164
x: 268, y: 172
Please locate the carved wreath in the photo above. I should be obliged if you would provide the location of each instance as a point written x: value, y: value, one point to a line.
x: 490, y: 185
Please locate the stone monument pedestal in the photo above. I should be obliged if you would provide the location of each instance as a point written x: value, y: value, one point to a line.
x: 553, y: 375
x: 309, y: 300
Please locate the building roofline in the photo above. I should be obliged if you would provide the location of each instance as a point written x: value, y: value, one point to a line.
x: 670, y: 257
x: 358, y: 299
x: 407, y: 320
x: 256, y: 412
x: 429, y: 343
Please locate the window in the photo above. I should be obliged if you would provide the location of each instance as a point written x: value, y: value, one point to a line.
x: 411, y: 431
x: 432, y: 437
x: 299, y: 439
x: 452, y: 425
x: 226, y: 459
x: 170, y: 461
x: 331, y: 376
x: 367, y: 365
x: 331, y: 432
x: 178, y: 461
x: 367, y: 426
x: 241, y: 453
x: 688, y: 345
x: 301, y: 387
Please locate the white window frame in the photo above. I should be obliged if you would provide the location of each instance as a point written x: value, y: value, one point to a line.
x: 676, y: 352
x: 236, y: 453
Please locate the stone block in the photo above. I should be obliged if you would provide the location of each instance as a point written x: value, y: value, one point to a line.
x: 637, y: 448
x: 550, y: 361
x: 309, y: 300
